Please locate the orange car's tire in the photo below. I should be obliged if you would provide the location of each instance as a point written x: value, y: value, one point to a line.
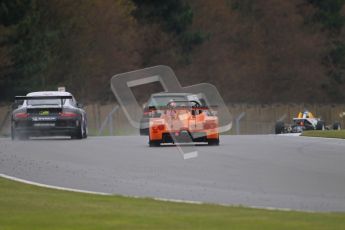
x: 154, y: 143
x: 213, y: 141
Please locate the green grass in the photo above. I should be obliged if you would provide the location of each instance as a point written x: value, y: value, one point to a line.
x: 25, y: 206
x: 326, y: 133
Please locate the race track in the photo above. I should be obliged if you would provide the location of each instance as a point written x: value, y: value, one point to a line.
x: 264, y: 170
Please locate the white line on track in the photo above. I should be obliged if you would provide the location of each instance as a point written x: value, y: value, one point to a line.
x: 290, y: 134
x: 52, y: 186
x: 154, y: 198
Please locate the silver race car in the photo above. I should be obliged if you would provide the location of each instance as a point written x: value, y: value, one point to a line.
x: 48, y: 113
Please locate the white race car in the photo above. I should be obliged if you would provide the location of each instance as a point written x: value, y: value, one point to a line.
x: 304, y: 121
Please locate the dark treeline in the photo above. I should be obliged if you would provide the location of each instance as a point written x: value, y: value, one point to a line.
x: 256, y: 51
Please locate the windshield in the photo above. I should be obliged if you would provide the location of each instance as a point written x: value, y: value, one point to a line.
x: 164, y: 100
x: 183, y: 104
x: 45, y: 102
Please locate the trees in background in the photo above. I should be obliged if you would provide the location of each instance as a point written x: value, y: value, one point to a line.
x: 253, y: 51
x: 331, y: 15
x: 173, y: 16
x: 74, y: 43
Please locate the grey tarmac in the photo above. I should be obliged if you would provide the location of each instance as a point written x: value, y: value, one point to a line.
x: 285, y: 172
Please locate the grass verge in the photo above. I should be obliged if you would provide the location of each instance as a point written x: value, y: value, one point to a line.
x: 25, y: 206
x: 326, y: 133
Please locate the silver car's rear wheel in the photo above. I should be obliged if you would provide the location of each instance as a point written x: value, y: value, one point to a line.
x: 78, y: 134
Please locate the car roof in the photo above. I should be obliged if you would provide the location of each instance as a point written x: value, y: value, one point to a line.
x: 49, y: 93
x: 171, y: 94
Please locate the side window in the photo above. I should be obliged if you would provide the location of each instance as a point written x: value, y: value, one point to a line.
x: 73, y: 101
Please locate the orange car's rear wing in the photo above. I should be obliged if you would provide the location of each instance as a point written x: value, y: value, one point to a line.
x: 197, y: 106
x: 151, y: 109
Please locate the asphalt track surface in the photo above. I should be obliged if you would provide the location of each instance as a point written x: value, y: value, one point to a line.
x: 285, y: 172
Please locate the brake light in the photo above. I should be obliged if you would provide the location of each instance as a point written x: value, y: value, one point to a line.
x: 161, y: 127
x: 21, y: 115
x: 210, y: 126
x: 155, y: 128
x: 68, y: 114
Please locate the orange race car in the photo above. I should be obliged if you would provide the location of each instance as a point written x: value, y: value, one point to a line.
x: 184, y: 121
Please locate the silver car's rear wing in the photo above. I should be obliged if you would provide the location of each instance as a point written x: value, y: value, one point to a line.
x: 20, y: 99
x: 41, y: 97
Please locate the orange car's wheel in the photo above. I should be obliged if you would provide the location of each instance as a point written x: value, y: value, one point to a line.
x: 213, y: 141
x: 154, y: 143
